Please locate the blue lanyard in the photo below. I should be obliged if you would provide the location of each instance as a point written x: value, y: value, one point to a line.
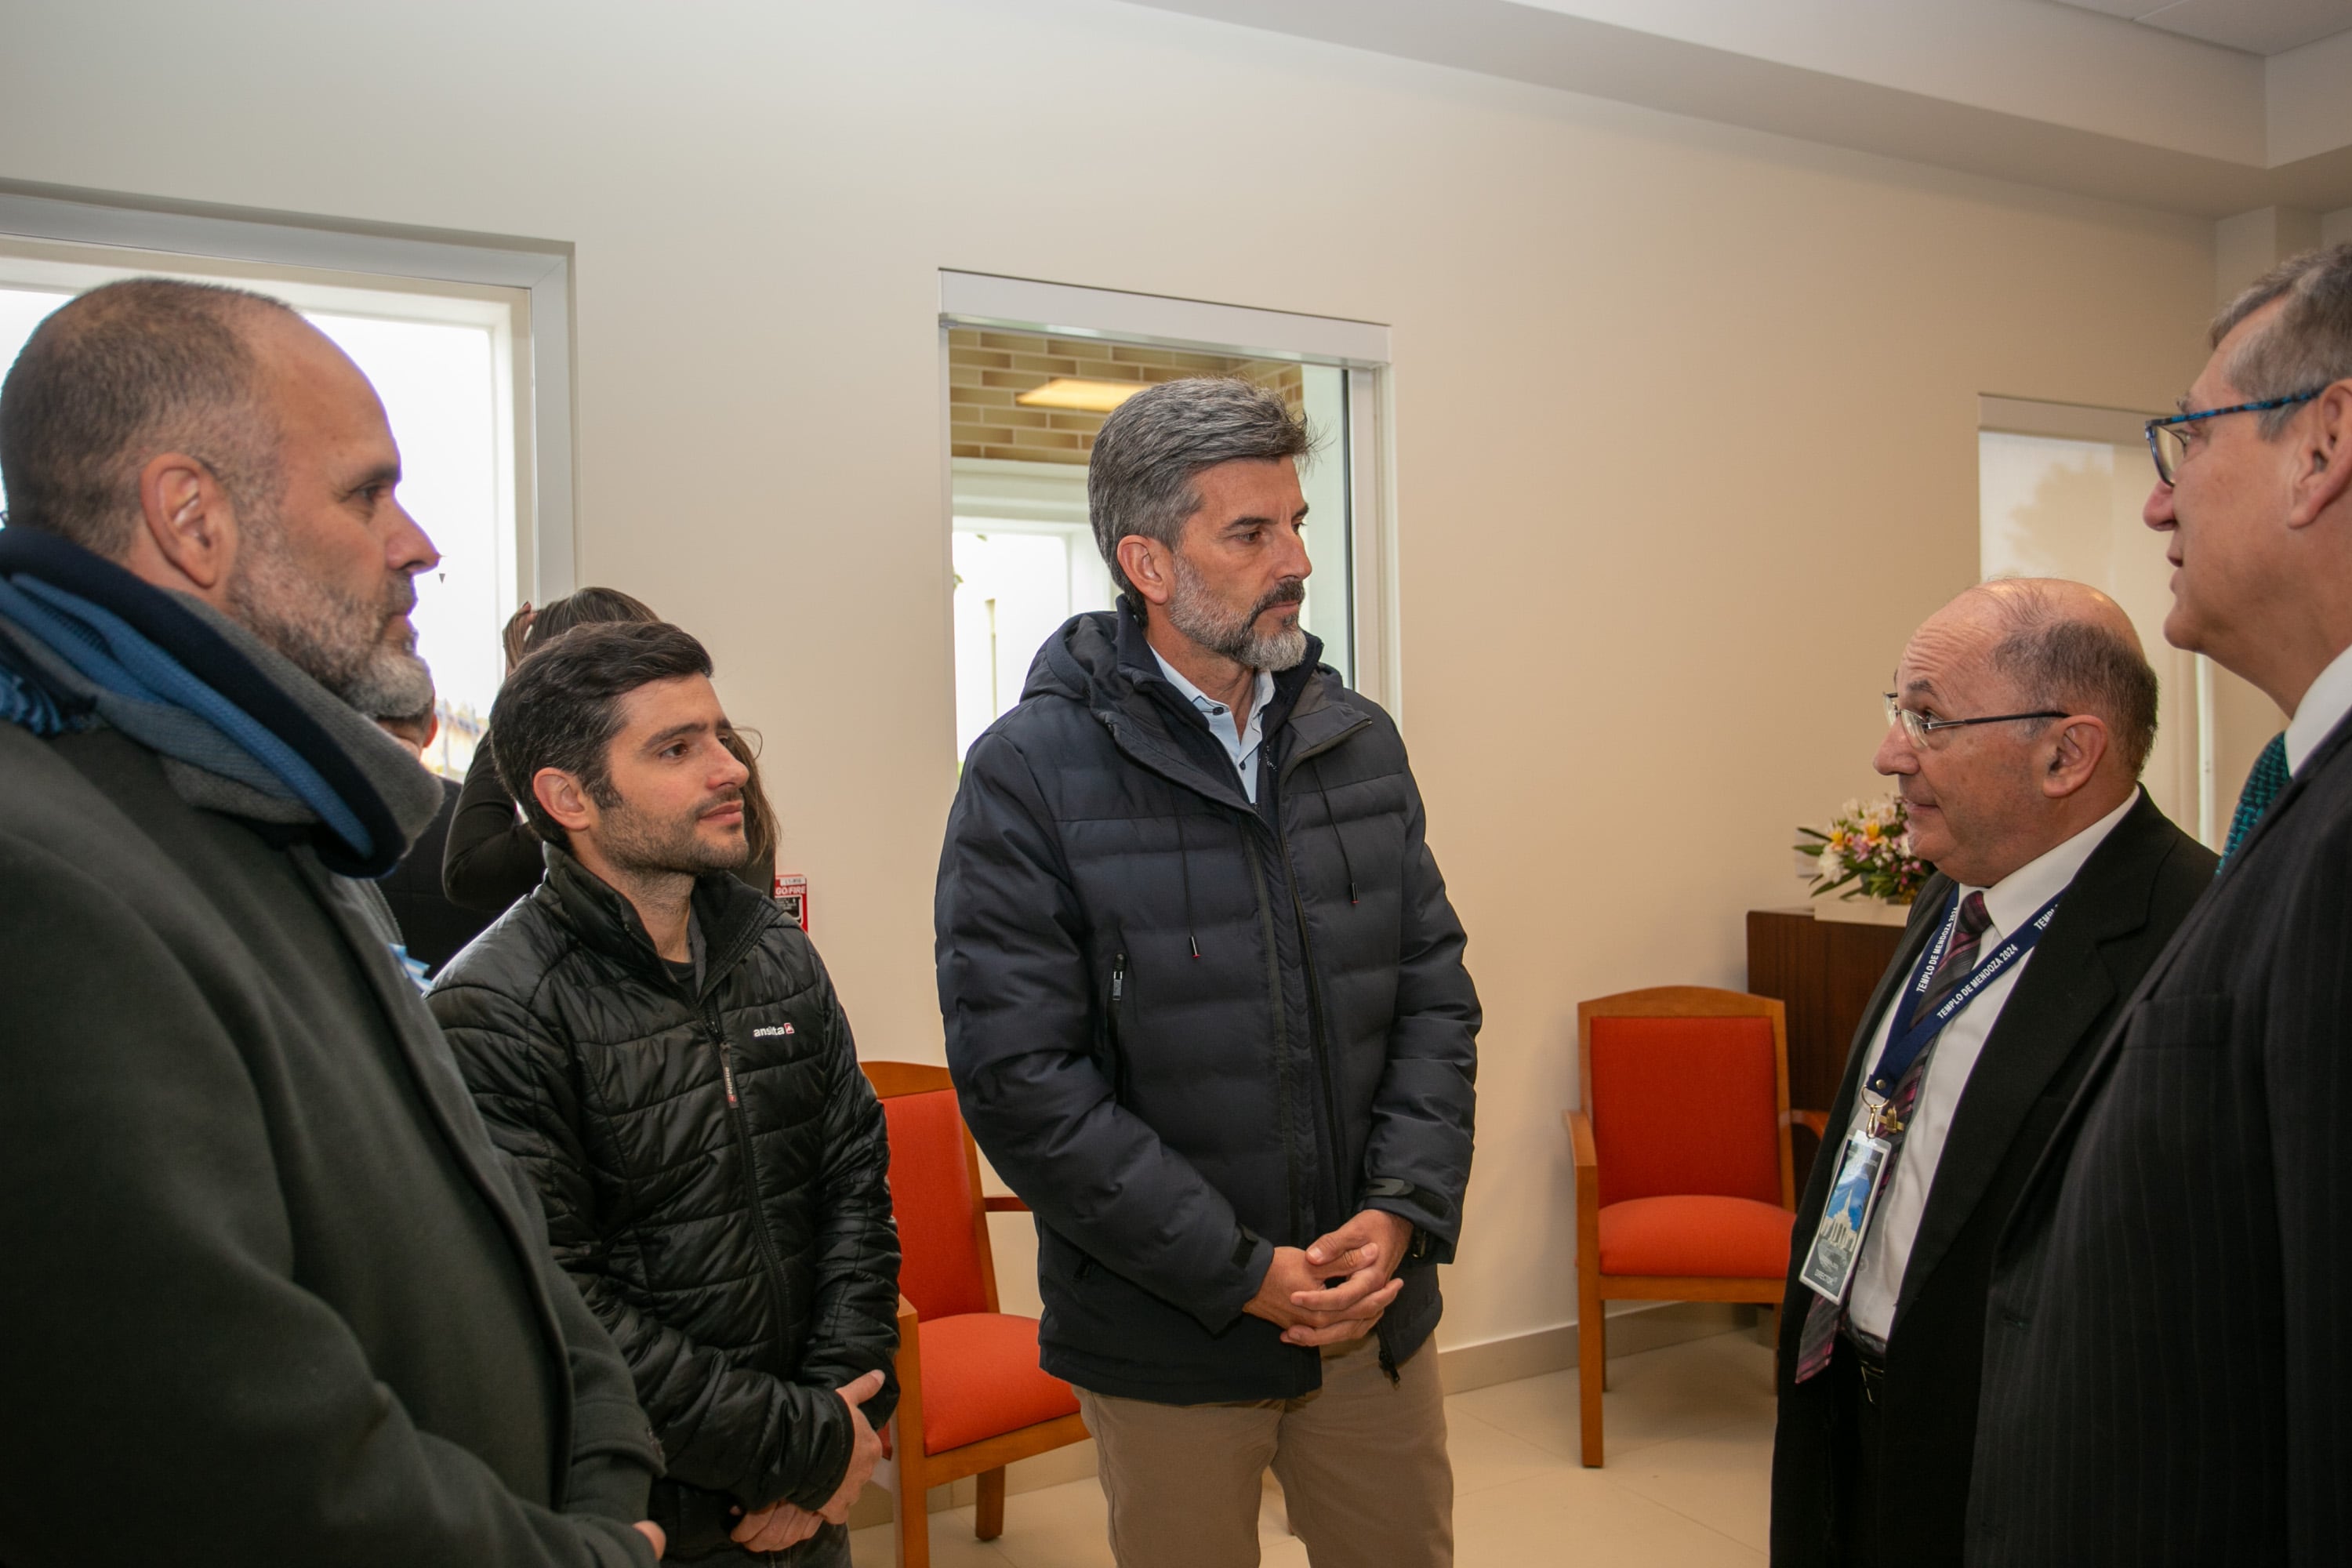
x: 1904, y: 1048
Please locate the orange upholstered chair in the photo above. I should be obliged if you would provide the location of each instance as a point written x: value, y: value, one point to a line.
x: 972, y: 1398
x: 1684, y: 1187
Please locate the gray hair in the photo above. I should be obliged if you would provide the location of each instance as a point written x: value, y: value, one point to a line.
x: 146, y: 366
x: 2308, y: 346
x: 2079, y: 666
x: 1140, y: 479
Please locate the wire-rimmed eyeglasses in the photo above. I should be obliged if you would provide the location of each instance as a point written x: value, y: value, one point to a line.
x: 2168, y: 438
x: 1917, y: 726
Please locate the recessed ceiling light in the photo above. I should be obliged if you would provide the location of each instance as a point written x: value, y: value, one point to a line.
x: 1085, y: 396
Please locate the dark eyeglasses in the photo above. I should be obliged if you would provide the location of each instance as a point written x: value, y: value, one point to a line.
x: 2168, y: 439
x: 1917, y: 726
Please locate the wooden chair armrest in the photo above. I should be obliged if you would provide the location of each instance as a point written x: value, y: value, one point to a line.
x: 908, y: 1363
x: 1580, y: 1135
x: 1818, y: 1121
x: 1007, y: 1203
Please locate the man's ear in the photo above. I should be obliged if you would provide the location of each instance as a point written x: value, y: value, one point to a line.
x: 1150, y: 566
x: 2071, y: 753
x: 2323, y: 455
x: 187, y: 535
x: 560, y: 795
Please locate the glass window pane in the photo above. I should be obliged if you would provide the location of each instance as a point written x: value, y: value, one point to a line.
x: 22, y: 310
x: 440, y: 389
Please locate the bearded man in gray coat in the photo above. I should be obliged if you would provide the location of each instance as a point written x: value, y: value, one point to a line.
x: 1207, y: 1014
x: 270, y: 1295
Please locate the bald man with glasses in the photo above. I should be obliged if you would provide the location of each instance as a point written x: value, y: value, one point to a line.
x: 2022, y: 716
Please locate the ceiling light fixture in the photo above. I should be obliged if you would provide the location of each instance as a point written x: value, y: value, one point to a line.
x: 1083, y: 397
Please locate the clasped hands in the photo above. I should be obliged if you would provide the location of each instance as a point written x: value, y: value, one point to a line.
x: 1362, y: 1253
x: 783, y: 1524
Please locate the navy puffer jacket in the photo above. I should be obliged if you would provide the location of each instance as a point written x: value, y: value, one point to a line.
x: 1186, y: 1028
x: 714, y: 1169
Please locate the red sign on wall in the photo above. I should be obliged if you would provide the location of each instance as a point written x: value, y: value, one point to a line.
x: 791, y: 892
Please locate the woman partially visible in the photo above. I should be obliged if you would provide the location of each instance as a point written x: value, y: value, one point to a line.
x: 493, y: 855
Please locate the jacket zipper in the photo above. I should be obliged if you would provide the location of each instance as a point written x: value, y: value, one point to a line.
x: 1315, y: 1030
x: 1298, y: 1218
x: 1119, y: 1085
x: 1315, y: 1021
x: 741, y: 1124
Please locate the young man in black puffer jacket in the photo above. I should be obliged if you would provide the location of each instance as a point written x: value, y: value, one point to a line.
x: 664, y: 1053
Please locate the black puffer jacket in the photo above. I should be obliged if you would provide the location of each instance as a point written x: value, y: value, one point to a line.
x: 1186, y: 1028
x: 738, y: 1302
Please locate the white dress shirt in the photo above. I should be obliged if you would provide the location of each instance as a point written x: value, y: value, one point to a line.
x: 2322, y: 707
x: 1241, y: 742
x: 1895, y: 1225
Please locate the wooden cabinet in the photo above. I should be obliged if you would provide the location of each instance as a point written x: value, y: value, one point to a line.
x: 1824, y: 970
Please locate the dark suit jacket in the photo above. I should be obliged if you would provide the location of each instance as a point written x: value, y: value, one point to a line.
x: 433, y: 927
x: 2167, y: 1376
x: 2119, y: 911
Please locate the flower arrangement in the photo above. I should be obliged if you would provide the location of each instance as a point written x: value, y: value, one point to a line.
x: 1868, y: 847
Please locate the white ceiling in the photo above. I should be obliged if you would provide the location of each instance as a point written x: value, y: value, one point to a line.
x: 2057, y: 95
x: 2258, y: 26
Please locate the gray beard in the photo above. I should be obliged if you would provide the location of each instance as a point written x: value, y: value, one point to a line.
x: 337, y: 641
x: 1193, y: 611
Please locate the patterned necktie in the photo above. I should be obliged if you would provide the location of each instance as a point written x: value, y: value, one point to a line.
x: 1819, y: 1339
x: 1960, y: 958
x: 2262, y: 786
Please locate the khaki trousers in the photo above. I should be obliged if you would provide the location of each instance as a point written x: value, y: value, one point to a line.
x: 1361, y: 1462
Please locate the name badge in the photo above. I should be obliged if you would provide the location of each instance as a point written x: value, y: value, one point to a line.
x: 1846, y: 1218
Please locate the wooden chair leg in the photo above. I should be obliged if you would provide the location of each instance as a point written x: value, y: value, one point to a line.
x: 988, y: 1517
x: 1591, y: 1366
x: 910, y: 1510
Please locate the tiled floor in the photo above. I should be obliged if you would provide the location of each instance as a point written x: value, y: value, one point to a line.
x: 1690, y: 1450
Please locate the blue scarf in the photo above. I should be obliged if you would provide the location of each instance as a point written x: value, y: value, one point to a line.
x: 83, y: 641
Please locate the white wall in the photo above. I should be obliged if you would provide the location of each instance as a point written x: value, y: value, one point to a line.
x: 1686, y: 416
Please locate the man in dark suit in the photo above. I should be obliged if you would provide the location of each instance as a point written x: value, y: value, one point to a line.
x: 2168, y: 1377
x: 2022, y: 714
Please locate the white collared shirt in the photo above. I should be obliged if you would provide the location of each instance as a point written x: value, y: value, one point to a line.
x: 2322, y: 707
x: 1241, y: 742
x: 1895, y: 1225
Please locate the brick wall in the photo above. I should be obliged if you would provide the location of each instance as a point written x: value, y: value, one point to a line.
x: 986, y: 370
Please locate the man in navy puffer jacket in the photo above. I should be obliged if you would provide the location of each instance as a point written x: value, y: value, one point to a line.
x: 1207, y: 1014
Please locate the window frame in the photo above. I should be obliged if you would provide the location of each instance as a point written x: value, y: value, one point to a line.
x: 211, y: 238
